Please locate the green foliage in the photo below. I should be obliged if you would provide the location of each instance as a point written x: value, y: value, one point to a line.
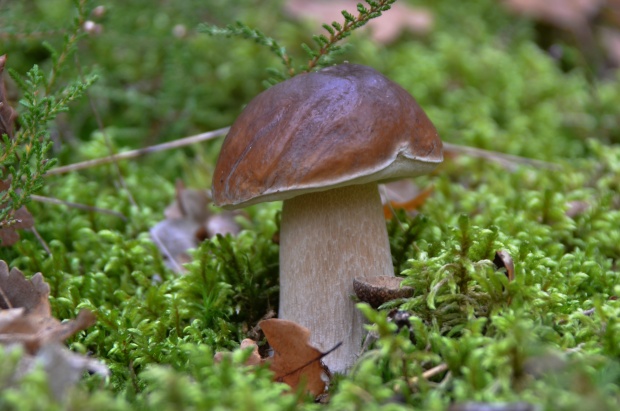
x: 25, y: 157
x: 326, y: 47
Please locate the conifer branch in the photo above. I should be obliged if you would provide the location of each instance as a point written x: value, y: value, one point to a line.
x: 337, y: 31
x: 241, y: 30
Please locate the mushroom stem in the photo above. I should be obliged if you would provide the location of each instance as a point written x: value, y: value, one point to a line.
x: 327, y: 239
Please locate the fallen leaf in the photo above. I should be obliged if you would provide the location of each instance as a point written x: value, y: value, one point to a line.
x: 25, y: 312
x: 7, y: 113
x: 295, y: 362
x: 409, y: 205
x: 188, y: 222
x: 22, y: 220
x: 64, y: 368
x: 400, y: 18
x: 26, y: 320
x: 253, y: 359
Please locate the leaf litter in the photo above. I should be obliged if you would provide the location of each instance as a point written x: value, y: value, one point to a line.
x: 26, y: 321
x: 294, y: 361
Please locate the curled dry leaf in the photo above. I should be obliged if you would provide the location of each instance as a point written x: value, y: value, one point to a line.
x: 26, y: 320
x: 403, y: 195
x: 188, y: 222
x: 253, y: 359
x: 25, y: 312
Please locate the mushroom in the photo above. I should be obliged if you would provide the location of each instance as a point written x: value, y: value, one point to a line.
x: 321, y: 142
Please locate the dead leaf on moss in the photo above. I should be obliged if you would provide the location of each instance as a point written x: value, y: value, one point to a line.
x: 18, y: 292
x: 253, y: 359
x: 26, y: 320
x: 22, y: 220
x: 400, y: 18
x: 295, y: 361
x: 188, y: 222
x: 403, y: 195
x: 25, y: 312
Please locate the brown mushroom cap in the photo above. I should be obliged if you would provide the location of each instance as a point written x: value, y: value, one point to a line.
x: 343, y: 125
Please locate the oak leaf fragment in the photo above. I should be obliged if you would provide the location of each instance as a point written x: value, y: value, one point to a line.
x: 25, y: 312
x: 26, y: 320
x: 295, y: 362
x: 188, y: 222
x: 253, y: 359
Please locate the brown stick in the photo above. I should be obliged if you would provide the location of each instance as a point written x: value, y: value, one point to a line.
x: 504, y: 159
x: 51, y: 200
x: 140, y: 152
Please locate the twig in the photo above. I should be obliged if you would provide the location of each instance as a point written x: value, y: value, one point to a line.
x: 56, y: 201
x: 502, y: 158
x: 41, y: 240
x: 430, y: 373
x: 140, y: 152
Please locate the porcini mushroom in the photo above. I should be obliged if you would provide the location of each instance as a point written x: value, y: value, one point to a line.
x: 321, y: 142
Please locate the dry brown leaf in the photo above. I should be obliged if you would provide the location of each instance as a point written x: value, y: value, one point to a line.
x: 409, y: 205
x: 23, y: 220
x: 25, y: 313
x: 25, y: 319
x: 18, y: 292
x: 384, y: 30
x: 253, y: 359
x: 188, y: 222
x: 7, y: 114
x: 295, y: 362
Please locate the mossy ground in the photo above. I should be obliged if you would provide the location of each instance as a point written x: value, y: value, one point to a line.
x: 551, y: 337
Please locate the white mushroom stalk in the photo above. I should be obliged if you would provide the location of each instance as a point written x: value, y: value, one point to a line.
x: 327, y: 239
